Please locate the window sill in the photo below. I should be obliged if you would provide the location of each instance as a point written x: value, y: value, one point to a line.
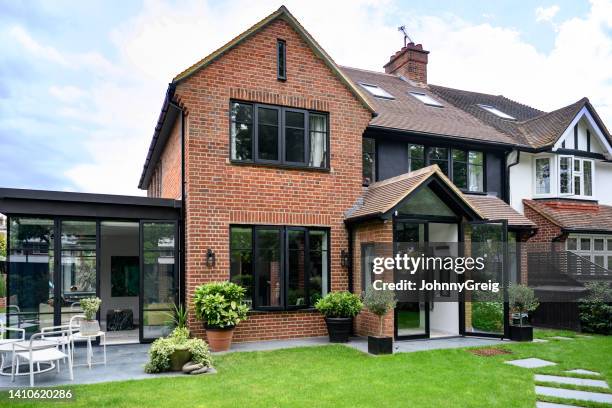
x: 281, y: 166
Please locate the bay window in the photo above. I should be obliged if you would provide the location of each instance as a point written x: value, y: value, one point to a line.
x: 281, y: 267
x: 278, y: 135
x: 542, y: 175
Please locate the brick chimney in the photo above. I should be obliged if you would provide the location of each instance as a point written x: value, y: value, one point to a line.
x: 409, y: 62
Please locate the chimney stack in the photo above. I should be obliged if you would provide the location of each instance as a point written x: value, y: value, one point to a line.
x: 409, y: 62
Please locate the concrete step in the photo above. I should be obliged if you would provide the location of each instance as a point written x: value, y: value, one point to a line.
x: 571, y: 380
x: 574, y: 394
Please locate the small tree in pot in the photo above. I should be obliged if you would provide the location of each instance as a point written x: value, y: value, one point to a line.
x: 379, y: 302
x: 522, y: 300
x: 90, y: 307
x: 220, y: 305
x: 339, y: 308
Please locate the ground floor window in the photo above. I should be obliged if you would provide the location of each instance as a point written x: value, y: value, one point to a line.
x: 280, y: 267
x: 596, y: 248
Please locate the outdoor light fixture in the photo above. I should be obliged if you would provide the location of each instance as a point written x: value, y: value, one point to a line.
x: 210, y: 257
x: 344, y: 258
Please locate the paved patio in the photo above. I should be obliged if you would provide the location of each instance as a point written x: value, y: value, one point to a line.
x: 126, y: 362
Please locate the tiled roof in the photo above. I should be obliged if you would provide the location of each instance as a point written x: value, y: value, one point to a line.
x: 493, y: 208
x: 405, y: 112
x: 382, y: 196
x: 575, y: 216
x: 532, y: 127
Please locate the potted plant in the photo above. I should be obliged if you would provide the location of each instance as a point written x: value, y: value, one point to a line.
x: 339, y: 308
x: 522, y: 300
x: 181, y: 353
x: 162, y: 350
x: 90, y: 326
x: 379, y: 302
x: 220, y: 305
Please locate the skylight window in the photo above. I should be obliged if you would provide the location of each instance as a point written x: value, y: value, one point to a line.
x: 496, y: 112
x: 377, y: 91
x: 426, y: 99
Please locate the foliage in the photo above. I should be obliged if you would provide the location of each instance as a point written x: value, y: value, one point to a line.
x: 2, y: 245
x: 220, y: 304
x: 379, y: 302
x: 90, y: 307
x: 179, y: 317
x: 596, y: 308
x: 488, y: 316
x: 522, y: 300
x: 162, y: 349
x: 2, y: 285
x: 339, y: 304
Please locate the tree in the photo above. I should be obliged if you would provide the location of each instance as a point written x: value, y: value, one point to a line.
x: 2, y: 245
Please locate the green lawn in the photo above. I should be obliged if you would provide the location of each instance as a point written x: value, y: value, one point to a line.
x: 338, y: 376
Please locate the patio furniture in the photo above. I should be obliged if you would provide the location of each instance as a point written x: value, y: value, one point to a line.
x: 6, y: 344
x: 119, y: 319
x: 76, y: 336
x: 38, y: 350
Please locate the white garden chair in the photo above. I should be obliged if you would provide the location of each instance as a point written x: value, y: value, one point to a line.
x: 5, y: 342
x: 41, y: 349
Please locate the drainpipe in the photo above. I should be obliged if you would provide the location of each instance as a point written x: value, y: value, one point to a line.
x: 508, y: 166
x: 350, y: 259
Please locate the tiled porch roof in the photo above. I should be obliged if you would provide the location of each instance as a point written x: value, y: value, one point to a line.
x: 495, y: 209
x: 574, y: 216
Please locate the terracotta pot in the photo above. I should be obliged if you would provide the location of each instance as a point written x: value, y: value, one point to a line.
x: 219, y: 339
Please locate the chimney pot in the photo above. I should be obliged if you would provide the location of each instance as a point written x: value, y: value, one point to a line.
x: 409, y: 62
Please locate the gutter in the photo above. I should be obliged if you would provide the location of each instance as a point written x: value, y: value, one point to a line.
x: 518, y: 158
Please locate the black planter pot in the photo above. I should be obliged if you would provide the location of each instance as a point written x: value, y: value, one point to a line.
x: 339, y: 328
x: 521, y: 333
x: 380, y: 345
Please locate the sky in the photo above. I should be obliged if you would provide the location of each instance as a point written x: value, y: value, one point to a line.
x: 82, y: 82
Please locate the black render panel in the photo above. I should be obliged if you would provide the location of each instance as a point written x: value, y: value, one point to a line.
x: 391, y: 159
x: 494, y: 183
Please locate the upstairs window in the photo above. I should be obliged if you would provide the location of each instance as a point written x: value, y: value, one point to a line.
x: 468, y: 170
x: 426, y: 99
x: 542, y: 175
x: 583, y: 177
x: 276, y: 135
x: 368, y: 159
x: 416, y: 157
x: 496, y: 112
x: 281, y: 59
x: 439, y: 156
x: 377, y: 91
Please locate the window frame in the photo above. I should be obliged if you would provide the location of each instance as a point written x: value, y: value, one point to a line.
x: 591, y: 253
x: 281, y: 162
x: 552, y: 177
x: 281, y: 76
x: 374, y: 161
x: 571, y: 173
x: 383, y: 95
x: 284, y: 260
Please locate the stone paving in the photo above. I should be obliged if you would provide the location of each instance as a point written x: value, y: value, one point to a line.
x: 531, y: 363
x: 574, y: 394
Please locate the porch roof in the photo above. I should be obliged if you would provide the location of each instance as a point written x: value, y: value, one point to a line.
x: 574, y: 216
x: 494, y: 208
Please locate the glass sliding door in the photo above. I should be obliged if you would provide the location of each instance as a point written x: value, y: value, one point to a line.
x: 411, y: 315
x: 159, y: 277
x: 485, y: 313
x: 31, y: 265
x: 78, y: 260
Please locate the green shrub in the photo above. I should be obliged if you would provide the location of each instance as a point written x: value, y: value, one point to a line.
x: 379, y: 302
x: 178, y: 317
x: 339, y: 304
x: 488, y: 316
x: 596, y: 309
x: 220, y: 304
x: 90, y: 307
x: 162, y: 349
x: 522, y: 300
x: 2, y: 285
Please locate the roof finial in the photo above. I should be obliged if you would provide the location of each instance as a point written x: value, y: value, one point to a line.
x: 406, y: 36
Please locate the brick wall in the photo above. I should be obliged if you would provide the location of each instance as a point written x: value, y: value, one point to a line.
x: 220, y: 193
x: 378, y: 232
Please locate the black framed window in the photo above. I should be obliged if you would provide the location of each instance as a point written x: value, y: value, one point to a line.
x: 439, y: 156
x: 281, y: 267
x: 460, y: 168
x: 368, y: 159
x: 416, y: 157
x: 279, y: 135
x: 281, y: 59
x: 468, y: 170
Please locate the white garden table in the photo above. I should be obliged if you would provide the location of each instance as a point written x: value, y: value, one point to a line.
x: 78, y: 336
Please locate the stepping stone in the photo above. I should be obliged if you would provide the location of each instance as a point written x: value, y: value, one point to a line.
x: 574, y: 394
x: 542, y: 404
x: 584, y: 336
x: 540, y: 341
x: 571, y: 380
x: 531, y: 363
x: 581, y: 371
x: 561, y: 338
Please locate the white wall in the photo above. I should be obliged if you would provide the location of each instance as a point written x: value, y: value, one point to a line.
x: 603, y: 182
x: 521, y: 180
x: 445, y: 315
x: 116, y: 241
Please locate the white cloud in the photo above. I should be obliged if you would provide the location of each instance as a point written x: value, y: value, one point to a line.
x: 67, y: 94
x: 546, y: 13
x: 20, y: 35
x: 163, y: 39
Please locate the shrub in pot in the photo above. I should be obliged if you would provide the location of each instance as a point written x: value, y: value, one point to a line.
x: 379, y: 302
x: 181, y: 353
x: 521, y: 300
x: 163, y: 349
x: 339, y: 308
x: 220, y: 305
x: 90, y: 306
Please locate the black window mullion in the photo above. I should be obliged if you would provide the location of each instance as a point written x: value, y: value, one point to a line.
x: 307, y: 137
x: 307, y: 267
